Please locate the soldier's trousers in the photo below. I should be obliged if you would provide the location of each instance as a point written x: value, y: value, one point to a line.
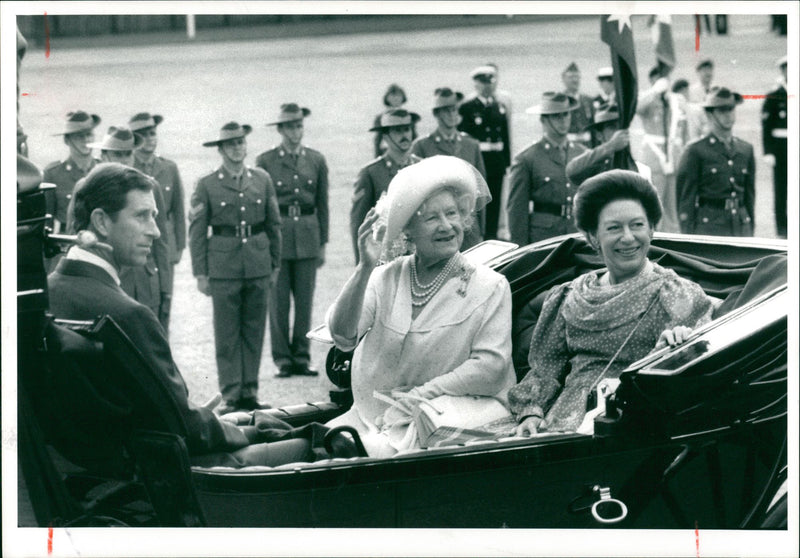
x: 495, y: 170
x: 780, y: 182
x: 296, y: 280
x: 240, y: 321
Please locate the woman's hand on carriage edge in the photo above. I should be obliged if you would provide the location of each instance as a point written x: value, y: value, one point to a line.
x: 530, y: 426
x: 673, y: 337
x: 369, y: 242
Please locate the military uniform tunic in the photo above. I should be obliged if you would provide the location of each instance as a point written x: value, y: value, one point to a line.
x: 301, y: 185
x: 64, y: 174
x: 716, y: 188
x: 165, y: 172
x: 540, y: 198
x: 582, y: 118
x: 488, y: 123
x: 372, y: 181
x: 151, y: 284
x: 774, y: 137
x: 461, y: 146
x: 235, y: 240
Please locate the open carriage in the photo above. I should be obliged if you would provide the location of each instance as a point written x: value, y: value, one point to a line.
x: 693, y: 435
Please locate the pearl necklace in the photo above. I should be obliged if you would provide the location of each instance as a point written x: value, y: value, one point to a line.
x: 425, y: 292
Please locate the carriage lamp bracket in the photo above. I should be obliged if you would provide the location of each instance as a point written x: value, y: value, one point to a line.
x: 605, y: 500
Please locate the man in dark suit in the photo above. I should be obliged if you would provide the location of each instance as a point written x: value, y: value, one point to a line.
x: 300, y: 175
x: 166, y: 174
x: 235, y: 244
x: 150, y: 284
x: 774, y: 137
x: 114, y: 210
x: 485, y: 118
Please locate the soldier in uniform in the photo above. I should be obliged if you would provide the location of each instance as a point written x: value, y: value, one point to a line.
x: 166, y: 174
x: 656, y: 109
x: 78, y: 134
x: 485, y: 118
x: 394, y: 98
x: 300, y: 176
x: 582, y: 117
x: 235, y: 244
x: 540, y: 198
x: 605, y: 79
x: 774, y: 137
x: 396, y: 127
x: 447, y: 140
x: 705, y: 76
x: 609, y: 139
x: 150, y: 284
x: 716, y: 175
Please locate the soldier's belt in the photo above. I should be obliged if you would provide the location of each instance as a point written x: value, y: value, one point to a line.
x: 296, y: 210
x: 719, y: 203
x: 582, y: 136
x: 492, y: 145
x: 779, y: 133
x: 560, y: 210
x: 239, y: 231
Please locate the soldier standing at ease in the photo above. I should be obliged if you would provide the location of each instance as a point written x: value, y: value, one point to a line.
x: 485, y: 118
x: 540, y: 199
x: 150, y: 284
x: 773, y: 127
x: 396, y: 126
x: 583, y: 116
x: 165, y: 172
x: 300, y: 176
x: 447, y: 140
x: 235, y: 244
x: 78, y: 134
x: 717, y: 174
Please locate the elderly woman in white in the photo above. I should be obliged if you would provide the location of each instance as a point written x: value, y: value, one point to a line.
x: 431, y: 322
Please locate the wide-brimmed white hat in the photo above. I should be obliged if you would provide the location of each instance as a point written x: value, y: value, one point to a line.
x: 414, y: 184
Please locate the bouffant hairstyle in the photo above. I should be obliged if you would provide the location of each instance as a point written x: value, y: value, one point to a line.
x: 105, y: 187
x: 600, y: 190
x: 394, y: 89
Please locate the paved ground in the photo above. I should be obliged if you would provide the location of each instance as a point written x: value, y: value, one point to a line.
x: 198, y: 87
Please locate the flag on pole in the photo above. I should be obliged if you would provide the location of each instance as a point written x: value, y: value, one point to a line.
x: 616, y: 32
x: 661, y: 29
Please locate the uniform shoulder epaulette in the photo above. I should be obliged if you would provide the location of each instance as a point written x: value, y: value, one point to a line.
x: 53, y: 165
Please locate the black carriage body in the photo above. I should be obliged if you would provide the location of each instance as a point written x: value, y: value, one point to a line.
x: 694, y: 436
x: 698, y: 438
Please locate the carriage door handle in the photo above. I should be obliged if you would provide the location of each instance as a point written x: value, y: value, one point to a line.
x: 607, y: 510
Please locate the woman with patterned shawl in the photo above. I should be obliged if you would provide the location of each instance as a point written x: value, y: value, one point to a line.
x: 595, y: 326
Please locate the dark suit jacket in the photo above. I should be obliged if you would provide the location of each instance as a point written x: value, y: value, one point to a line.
x: 83, y: 291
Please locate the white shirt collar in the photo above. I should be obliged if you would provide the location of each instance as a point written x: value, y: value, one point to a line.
x: 81, y: 255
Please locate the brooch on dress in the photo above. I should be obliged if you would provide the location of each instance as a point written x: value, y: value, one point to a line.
x: 464, y: 273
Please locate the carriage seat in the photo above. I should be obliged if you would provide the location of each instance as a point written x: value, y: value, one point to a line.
x: 522, y: 330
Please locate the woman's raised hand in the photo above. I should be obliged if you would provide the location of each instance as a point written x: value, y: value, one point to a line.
x: 369, y: 244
